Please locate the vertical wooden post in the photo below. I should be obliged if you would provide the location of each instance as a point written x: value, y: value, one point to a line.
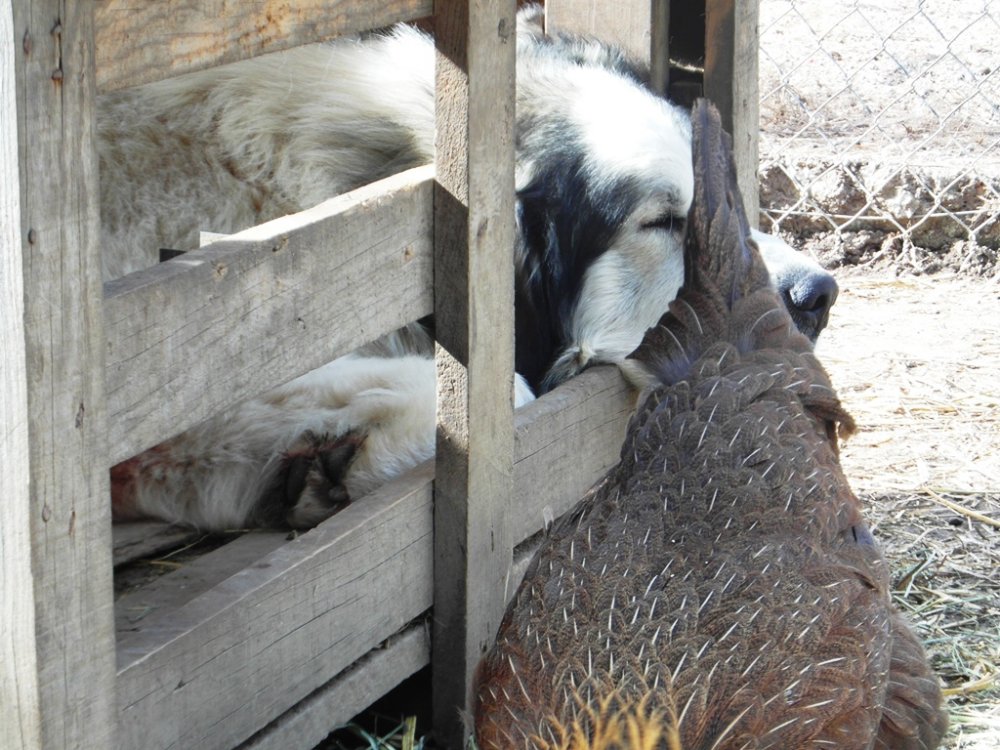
x: 55, y: 528
x: 474, y: 301
x: 659, y: 46
x: 20, y: 716
x: 640, y: 26
x: 731, y: 62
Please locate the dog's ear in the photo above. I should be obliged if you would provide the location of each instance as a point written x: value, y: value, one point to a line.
x: 536, y: 270
x: 538, y: 252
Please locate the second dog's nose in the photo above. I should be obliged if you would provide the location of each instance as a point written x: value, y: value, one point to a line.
x: 809, y: 300
x: 807, y: 290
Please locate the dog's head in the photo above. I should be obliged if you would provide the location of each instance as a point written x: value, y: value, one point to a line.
x: 604, y: 184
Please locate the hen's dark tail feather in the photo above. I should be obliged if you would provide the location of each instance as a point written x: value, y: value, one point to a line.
x: 727, y: 294
x: 727, y: 304
x: 718, y: 241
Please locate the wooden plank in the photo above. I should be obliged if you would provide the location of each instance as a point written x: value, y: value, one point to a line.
x: 565, y: 441
x: 70, y: 692
x: 731, y: 81
x: 138, y: 539
x: 474, y: 304
x: 20, y: 713
x: 348, y: 694
x: 216, y: 670
x: 148, y: 41
x: 365, y: 681
x: 217, y: 325
x: 659, y: 46
x: 640, y: 26
x: 175, y: 589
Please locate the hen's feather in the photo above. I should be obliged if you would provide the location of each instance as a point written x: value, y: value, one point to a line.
x: 719, y: 589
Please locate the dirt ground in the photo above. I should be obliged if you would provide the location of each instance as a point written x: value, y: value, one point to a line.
x: 889, y: 90
x: 916, y: 361
x: 881, y: 119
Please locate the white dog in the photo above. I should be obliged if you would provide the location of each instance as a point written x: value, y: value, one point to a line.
x: 603, y: 178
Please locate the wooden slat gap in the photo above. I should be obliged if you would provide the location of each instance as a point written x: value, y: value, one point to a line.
x: 215, y: 326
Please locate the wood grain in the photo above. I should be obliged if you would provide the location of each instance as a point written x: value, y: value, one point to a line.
x: 731, y: 81
x: 69, y: 692
x: 140, y: 42
x: 217, y: 325
x: 138, y: 539
x: 474, y: 311
x: 640, y: 26
x: 238, y: 656
x: 565, y: 441
x: 349, y: 693
x: 178, y: 587
x: 20, y: 713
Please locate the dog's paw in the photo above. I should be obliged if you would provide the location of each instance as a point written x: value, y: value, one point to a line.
x: 309, y: 485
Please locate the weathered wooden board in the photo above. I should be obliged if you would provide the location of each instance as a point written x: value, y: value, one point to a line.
x: 640, y: 26
x: 208, y: 329
x: 731, y: 81
x: 212, y: 672
x: 138, y: 539
x: 193, y: 578
x: 474, y: 325
x: 565, y: 441
x: 60, y: 610
x: 369, y: 678
x: 321, y: 601
x: 349, y: 693
x: 372, y: 676
x: 20, y: 713
x: 147, y: 41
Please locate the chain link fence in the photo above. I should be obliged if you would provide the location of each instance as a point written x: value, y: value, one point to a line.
x: 880, y: 130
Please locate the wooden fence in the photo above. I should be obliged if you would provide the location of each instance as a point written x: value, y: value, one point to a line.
x: 270, y: 642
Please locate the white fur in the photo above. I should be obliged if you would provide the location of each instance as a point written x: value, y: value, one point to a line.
x: 623, y: 131
x: 213, y: 476
x: 231, y: 147
x: 624, y: 291
x: 626, y: 133
x: 625, y: 288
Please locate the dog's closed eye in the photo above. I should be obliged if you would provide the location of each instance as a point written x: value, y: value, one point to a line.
x: 669, y: 222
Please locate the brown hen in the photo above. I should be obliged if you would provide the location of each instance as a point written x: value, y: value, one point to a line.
x: 719, y: 589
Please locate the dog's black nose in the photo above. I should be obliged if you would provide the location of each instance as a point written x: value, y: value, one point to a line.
x: 809, y: 299
x: 807, y: 290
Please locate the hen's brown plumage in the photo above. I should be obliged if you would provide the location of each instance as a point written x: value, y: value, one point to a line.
x: 719, y: 589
